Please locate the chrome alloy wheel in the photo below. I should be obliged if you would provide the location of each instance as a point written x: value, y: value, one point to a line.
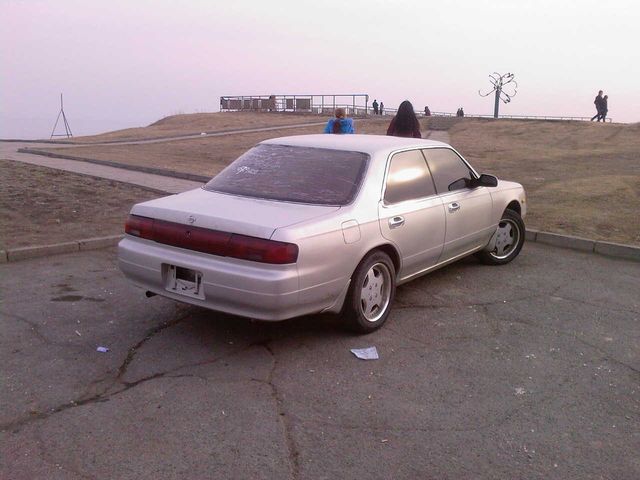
x: 375, y: 292
x: 507, y: 239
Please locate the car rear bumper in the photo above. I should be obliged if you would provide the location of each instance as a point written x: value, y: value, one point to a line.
x: 240, y: 287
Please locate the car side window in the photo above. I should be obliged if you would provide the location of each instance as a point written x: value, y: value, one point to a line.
x: 449, y: 172
x: 408, y: 178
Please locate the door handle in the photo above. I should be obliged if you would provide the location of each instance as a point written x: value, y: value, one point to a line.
x: 396, y: 222
x: 454, y: 207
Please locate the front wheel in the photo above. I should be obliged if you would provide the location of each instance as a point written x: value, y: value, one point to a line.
x: 373, y: 287
x: 508, y: 242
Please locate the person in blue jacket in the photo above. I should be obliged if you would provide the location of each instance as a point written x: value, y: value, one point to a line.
x: 339, y: 124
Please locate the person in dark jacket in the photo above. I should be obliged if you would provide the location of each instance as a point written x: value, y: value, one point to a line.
x: 604, y: 108
x: 405, y: 123
x: 598, y: 103
x: 339, y: 124
x: 427, y: 112
x: 375, y: 107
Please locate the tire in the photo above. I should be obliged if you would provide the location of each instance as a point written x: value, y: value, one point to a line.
x: 372, y: 290
x: 511, y: 232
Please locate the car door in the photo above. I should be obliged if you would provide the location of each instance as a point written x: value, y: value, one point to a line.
x: 469, y: 223
x: 410, y: 213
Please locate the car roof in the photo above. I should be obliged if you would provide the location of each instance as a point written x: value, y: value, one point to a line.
x: 370, y: 144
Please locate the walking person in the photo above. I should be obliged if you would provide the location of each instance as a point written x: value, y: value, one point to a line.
x: 339, y: 123
x: 405, y: 123
x: 598, y: 103
x: 604, y: 108
x: 381, y: 108
x: 375, y: 107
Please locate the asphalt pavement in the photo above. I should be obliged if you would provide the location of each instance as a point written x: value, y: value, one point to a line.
x: 529, y: 370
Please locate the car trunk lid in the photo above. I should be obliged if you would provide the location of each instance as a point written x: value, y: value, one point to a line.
x: 228, y: 213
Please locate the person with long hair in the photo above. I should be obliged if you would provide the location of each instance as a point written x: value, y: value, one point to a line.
x: 339, y: 124
x: 405, y: 123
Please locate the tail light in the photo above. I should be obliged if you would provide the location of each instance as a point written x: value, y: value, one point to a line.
x: 139, y: 227
x: 214, y: 242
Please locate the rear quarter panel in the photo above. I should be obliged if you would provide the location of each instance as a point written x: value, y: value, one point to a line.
x: 328, y: 256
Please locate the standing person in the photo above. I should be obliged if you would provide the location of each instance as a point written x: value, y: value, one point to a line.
x: 375, y: 107
x: 381, y: 108
x: 461, y: 112
x: 427, y: 112
x: 339, y: 124
x: 598, y: 103
x: 405, y: 123
x: 604, y: 108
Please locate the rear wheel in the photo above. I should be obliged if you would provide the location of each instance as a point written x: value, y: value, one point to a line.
x: 373, y: 287
x: 509, y: 240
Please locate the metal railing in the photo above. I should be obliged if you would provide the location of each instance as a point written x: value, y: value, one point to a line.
x: 420, y: 113
x: 353, y: 103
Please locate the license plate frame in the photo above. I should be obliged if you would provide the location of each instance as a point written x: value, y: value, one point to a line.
x: 184, y: 281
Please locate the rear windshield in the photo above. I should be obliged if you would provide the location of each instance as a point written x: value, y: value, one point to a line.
x: 294, y: 174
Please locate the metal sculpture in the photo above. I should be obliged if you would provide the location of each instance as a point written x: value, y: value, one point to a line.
x: 67, y: 128
x: 499, y: 82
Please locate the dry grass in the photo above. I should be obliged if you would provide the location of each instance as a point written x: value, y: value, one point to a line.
x: 581, y: 178
x: 195, y: 123
x: 40, y: 206
x: 206, y: 155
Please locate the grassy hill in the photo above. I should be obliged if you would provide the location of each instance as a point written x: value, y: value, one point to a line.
x: 581, y: 178
x: 196, y: 123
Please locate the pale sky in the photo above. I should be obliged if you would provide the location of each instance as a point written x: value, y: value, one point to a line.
x: 129, y: 63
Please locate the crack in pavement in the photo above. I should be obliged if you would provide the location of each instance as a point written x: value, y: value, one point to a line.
x: 103, y: 395
x: 108, y: 391
x: 36, y: 331
x: 292, y: 449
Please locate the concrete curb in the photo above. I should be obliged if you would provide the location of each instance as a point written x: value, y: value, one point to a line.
x: 27, y: 253
x: 19, y: 140
x: 609, y: 249
x: 124, y: 166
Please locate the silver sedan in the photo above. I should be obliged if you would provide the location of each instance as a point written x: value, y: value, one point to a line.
x: 321, y: 223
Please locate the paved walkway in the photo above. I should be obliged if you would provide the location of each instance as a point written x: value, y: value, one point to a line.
x: 190, y: 136
x: 438, y: 135
x: 8, y: 150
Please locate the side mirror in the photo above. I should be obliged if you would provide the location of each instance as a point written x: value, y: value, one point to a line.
x: 485, y: 180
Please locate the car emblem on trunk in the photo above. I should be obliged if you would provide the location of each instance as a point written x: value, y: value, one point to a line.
x: 191, y: 219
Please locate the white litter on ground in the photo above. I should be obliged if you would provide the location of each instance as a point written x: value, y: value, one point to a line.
x: 102, y: 349
x: 369, y: 353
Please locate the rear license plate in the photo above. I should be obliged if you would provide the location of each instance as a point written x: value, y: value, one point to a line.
x: 184, y: 281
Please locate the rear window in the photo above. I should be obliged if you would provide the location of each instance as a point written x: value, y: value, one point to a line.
x: 293, y: 174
